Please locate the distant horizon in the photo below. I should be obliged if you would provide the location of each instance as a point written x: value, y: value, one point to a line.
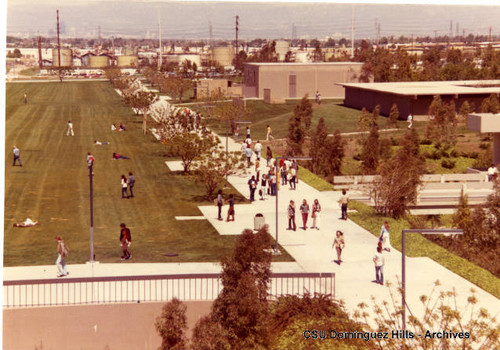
x: 190, y: 20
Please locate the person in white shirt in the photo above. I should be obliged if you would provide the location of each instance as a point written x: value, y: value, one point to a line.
x: 410, y: 121
x: 384, y: 238
x: 379, y: 261
x: 257, y: 149
x: 70, y: 129
x: 492, y: 173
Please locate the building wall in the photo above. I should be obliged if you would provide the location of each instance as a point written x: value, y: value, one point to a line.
x: 417, y: 105
x: 308, y: 79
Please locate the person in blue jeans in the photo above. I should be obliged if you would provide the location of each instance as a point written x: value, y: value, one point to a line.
x: 131, y: 183
x: 252, y: 184
x: 17, y: 156
x: 379, y: 262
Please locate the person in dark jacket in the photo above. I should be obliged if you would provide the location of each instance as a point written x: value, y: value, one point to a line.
x: 131, y: 183
x: 126, y: 241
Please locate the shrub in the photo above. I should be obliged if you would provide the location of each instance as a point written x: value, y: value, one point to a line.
x: 484, y: 145
x: 357, y: 156
x: 473, y: 155
x: 454, y: 154
x: 426, y: 142
x: 448, y: 163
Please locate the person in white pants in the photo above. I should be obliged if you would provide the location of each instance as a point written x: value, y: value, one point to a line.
x: 70, y: 129
x: 316, y: 214
x: 384, y: 237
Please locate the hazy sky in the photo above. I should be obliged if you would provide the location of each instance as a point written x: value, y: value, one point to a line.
x: 190, y: 19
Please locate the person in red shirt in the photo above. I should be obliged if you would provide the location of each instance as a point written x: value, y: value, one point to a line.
x: 126, y: 241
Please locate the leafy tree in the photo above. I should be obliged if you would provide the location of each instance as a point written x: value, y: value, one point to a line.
x: 318, y: 148
x: 370, y: 152
x: 242, y: 306
x: 296, y: 132
x: 171, y: 325
x: 392, y: 121
x: 240, y: 60
x: 14, y: 54
x: 365, y: 120
x: 175, y: 86
x: 189, y: 147
x: 214, y: 166
x: 209, y: 335
x: 112, y: 73
x: 335, y: 153
x: 140, y: 101
x: 465, y: 110
x: 443, y: 123
x: 396, y: 187
x: 490, y: 105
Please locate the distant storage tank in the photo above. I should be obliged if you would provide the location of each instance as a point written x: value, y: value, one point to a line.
x: 223, y: 55
x: 126, y: 61
x: 128, y: 51
x: 66, y: 57
x: 282, y: 47
x: 193, y: 58
x: 99, y: 61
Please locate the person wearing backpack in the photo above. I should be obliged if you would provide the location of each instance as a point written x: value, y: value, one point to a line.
x: 62, y: 250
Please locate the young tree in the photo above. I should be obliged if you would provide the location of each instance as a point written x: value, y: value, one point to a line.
x: 318, y: 148
x: 490, y: 105
x: 365, y: 120
x: 190, y: 147
x: 296, y: 132
x: 392, y: 121
x: 465, y: 110
x: 171, y: 325
x: 305, y: 111
x: 335, y: 153
x: 215, y: 166
x: 370, y: 153
x: 242, y: 306
x: 396, y: 187
x: 175, y: 87
x: 140, y: 101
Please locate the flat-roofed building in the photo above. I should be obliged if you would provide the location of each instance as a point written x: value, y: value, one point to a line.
x: 280, y: 81
x: 487, y: 123
x: 416, y: 97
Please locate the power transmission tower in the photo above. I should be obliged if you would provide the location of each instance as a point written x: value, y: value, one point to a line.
x: 236, y: 28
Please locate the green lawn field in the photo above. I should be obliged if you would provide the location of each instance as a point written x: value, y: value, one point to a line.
x: 52, y: 186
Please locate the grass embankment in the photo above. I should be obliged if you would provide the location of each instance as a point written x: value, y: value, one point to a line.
x: 52, y: 187
x: 416, y: 244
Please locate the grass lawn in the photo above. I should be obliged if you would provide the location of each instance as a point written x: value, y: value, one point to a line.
x: 52, y: 187
x: 261, y: 114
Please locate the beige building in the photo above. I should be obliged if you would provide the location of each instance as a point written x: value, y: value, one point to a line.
x: 416, y: 97
x: 487, y: 123
x: 276, y: 82
x: 215, y: 87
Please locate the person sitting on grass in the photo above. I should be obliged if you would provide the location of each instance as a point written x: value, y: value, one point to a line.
x: 122, y: 127
x: 119, y: 156
x: 26, y: 223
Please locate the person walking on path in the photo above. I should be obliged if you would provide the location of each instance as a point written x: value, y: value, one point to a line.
x: 125, y: 240
x: 248, y: 132
x: 343, y: 201
x: 379, y: 261
x: 295, y: 166
x: 304, y: 210
x: 131, y: 183
x: 274, y: 184
x: 269, y: 134
x: 384, y: 238
x: 219, y: 201
x: 410, y: 121
x: 263, y: 187
x: 291, y: 216
x: 124, y: 184
x: 316, y: 214
x: 230, y: 211
x: 257, y: 170
x: 17, y: 156
x: 70, y: 129
x: 269, y: 156
x: 282, y: 167
x: 62, y: 251
x: 248, y: 153
x: 257, y: 149
x: 339, y: 245
x: 293, y: 177
x: 252, y: 184
x: 25, y: 97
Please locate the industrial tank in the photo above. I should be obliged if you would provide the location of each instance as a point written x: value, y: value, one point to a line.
x: 223, y: 55
x: 99, y: 61
x: 193, y: 58
x: 282, y: 47
x: 66, y: 57
x: 126, y: 61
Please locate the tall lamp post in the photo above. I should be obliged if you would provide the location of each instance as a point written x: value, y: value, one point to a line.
x: 403, y: 257
x: 90, y: 164
x: 276, y: 251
